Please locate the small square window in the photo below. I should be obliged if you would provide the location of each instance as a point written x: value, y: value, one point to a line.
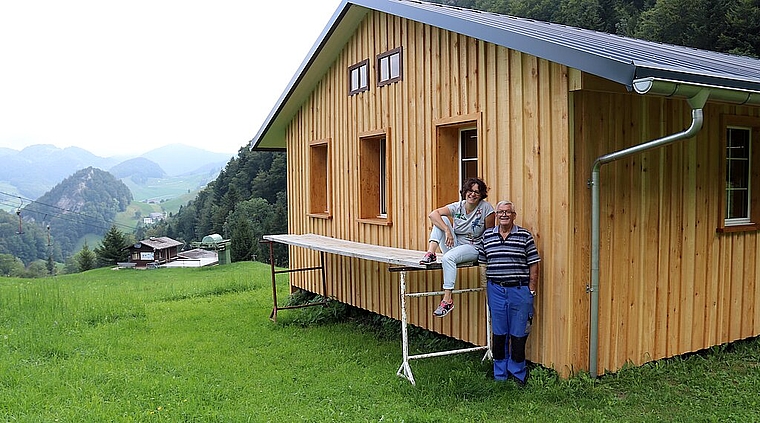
x: 358, y: 77
x: 389, y: 67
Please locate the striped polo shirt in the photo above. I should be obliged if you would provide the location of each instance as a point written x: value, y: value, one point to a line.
x: 508, y: 259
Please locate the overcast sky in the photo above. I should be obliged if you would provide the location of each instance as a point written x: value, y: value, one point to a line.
x: 124, y: 77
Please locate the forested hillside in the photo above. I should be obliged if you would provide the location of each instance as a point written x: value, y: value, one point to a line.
x: 23, y: 240
x: 84, y: 203
x: 139, y: 170
x: 728, y: 26
x: 246, y: 201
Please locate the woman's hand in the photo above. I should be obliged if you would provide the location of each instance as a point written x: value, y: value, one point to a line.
x: 449, y: 238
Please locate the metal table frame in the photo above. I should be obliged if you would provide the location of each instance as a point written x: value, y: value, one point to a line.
x: 401, y: 261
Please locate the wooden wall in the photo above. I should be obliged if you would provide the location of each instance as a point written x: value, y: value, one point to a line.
x: 520, y: 103
x: 669, y: 282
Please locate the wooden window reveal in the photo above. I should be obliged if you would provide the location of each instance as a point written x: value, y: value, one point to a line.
x: 319, y: 179
x: 456, y: 155
x: 374, y: 179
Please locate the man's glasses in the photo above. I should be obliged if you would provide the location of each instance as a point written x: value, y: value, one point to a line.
x: 504, y: 212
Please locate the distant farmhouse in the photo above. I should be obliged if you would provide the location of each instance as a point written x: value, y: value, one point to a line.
x: 154, y: 218
x: 165, y: 252
x: 154, y: 251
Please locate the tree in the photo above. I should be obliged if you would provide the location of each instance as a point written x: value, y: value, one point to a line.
x: 50, y: 265
x: 10, y: 265
x: 241, y: 241
x: 85, y: 259
x: 111, y: 249
x: 36, y: 269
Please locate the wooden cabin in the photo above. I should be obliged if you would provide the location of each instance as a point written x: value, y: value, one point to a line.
x: 635, y: 164
x: 154, y: 251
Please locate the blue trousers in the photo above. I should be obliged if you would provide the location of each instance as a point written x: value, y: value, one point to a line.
x: 511, y: 316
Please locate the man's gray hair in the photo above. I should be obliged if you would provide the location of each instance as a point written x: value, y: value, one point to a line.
x: 505, y: 203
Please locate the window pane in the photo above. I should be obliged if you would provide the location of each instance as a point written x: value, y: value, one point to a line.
x: 737, y: 143
x: 736, y: 204
x: 469, y: 144
x: 363, y: 76
x: 383, y: 189
x: 737, y: 174
x: 395, y: 69
x: 354, y: 79
x: 384, y: 71
x: 469, y: 170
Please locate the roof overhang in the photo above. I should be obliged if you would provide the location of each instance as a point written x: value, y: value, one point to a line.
x: 642, y: 66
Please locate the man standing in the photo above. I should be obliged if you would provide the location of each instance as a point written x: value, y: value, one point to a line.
x: 511, y: 260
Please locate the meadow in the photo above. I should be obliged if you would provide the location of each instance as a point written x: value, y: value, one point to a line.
x: 196, y: 345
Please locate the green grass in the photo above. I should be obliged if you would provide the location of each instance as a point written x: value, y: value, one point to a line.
x: 167, y: 188
x: 197, y: 345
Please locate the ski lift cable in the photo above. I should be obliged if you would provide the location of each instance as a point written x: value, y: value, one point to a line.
x: 67, y: 211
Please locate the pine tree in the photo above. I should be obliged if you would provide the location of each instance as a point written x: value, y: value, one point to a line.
x: 85, y: 258
x: 111, y: 249
x: 50, y: 265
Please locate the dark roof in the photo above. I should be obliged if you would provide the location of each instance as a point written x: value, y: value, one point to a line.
x: 619, y: 59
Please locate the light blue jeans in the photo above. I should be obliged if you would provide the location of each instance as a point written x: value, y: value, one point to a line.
x: 462, y: 251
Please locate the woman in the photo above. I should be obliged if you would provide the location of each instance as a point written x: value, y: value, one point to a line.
x: 457, y: 228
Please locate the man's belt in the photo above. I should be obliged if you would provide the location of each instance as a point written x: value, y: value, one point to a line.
x: 510, y: 283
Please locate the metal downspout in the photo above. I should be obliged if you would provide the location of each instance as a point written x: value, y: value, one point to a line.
x: 697, y: 103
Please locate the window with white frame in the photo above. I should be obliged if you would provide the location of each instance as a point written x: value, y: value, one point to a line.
x: 738, y: 171
x: 741, y: 174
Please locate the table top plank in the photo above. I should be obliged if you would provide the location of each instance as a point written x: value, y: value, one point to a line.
x: 379, y: 253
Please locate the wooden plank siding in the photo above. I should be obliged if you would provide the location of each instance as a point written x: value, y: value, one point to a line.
x: 523, y: 156
x: 669, y: 282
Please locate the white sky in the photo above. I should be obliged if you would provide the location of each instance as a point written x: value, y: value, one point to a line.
x: 125, y: 77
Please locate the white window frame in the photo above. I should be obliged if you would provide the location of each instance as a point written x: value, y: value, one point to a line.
x: 746, y: 219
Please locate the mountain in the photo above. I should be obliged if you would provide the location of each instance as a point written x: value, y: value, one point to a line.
x: 37, y: 168
x: 139, y: 170
x: 84, y: 203
x: 178, y: 159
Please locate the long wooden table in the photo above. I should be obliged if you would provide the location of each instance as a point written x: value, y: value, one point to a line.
x: 401, y: 261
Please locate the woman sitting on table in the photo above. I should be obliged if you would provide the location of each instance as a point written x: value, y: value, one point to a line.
x: 457, y: 229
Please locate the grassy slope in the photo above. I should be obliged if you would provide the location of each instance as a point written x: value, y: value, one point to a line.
x: 196, y: 345
x: 166, y: 188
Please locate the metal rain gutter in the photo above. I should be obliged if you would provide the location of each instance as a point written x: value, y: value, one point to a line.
x: 671, y: 88
x: 697, y: 102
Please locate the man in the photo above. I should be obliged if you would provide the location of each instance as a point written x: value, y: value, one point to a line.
x: 511, y: 260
